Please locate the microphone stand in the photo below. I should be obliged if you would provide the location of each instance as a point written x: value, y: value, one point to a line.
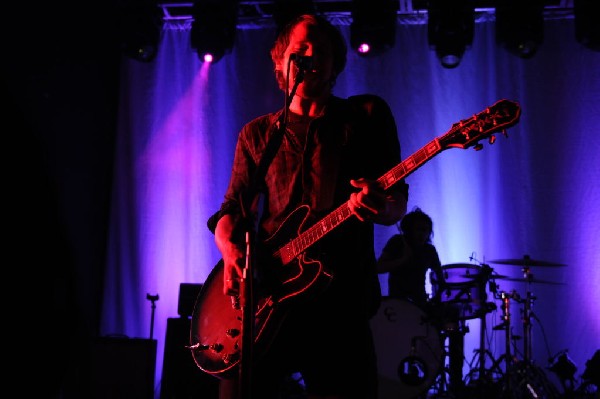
x: 246, y: 286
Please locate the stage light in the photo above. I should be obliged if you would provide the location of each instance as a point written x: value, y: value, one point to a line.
x: 373, y: 27
x: 587, y: 23
x: 286, y: 10
x: 208, y: 57
x: 213, y: 28
x: 450, y: 25
x: 520, y: 26
x: 140, y: 23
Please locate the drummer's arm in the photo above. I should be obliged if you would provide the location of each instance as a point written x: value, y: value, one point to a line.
x: 390, y: 260
x: 387, y: 263
x: 440, y: 278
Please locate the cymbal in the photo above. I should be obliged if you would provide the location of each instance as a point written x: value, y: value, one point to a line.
x: 526, y: 261
x: 531, y: 280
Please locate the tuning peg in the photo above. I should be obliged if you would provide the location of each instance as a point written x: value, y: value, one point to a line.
x: 504, y: 133
x: 492, y: 139
x: 478, y: 147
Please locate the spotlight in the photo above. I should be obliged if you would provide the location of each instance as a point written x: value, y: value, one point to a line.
x: 373, y: 27
x: 213, y: 28
x: 520, y: 26
x: 450, y: 27
x: 587, y: 29
x: 140, y: 23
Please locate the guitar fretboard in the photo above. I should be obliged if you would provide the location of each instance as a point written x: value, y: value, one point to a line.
x: 314, y: 233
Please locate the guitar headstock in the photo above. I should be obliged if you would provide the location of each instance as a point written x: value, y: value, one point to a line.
x: 496, y: 118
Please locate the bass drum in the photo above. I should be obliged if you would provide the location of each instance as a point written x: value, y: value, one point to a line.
x: 409, y: 349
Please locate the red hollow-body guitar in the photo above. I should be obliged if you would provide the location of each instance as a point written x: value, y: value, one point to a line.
x: 215, y: 334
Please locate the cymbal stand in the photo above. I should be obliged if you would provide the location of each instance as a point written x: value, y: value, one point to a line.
x: 527, y: 312
x: 485, y: 376
x: 507, y: 356
x: 482, y: 280
x: 506, y: 316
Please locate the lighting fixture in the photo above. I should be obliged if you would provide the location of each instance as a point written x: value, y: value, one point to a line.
x: 450, y: 25
x: 213, y: 28
x: 520, y: 26
x: 373, y: 27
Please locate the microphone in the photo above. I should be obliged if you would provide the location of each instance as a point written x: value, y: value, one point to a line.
x: 303, y: 62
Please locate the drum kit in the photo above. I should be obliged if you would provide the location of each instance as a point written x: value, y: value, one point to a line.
x: 413, y: 358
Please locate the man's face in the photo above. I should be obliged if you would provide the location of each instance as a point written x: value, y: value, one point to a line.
x: 308, y: 40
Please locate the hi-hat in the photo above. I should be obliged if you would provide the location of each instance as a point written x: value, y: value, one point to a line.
x: 526, y: 261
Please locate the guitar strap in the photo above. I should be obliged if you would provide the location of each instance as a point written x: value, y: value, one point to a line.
x: 250, y: 195
x: 261, y: 170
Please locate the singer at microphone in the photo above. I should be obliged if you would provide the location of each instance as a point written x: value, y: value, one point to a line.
x: 277, y: 173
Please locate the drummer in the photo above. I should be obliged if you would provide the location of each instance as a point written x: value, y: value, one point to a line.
x: 407, y: 257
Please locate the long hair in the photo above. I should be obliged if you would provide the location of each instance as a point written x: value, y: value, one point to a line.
x: 410, y: 219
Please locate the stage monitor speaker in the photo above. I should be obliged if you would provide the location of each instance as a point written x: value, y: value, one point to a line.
x: 188, y: 293
x: 123, y: 368
x: 181, y: 377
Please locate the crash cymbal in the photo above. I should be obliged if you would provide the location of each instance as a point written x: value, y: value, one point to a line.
x: 530, y: 280
x: 526, y: 261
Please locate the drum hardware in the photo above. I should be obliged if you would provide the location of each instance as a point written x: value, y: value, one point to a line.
x: 463, y: 292
x: 527, y: 313
x: 449, y: 383
x: 485, y: 377
x: 521, y: 377
x: 514, y: 376
x: 456, y: 345
x: 507, y: 358
x: 506, y: 318
x: 480, y: 278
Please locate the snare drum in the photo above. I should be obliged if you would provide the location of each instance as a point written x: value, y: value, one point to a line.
x: 463, y: 293
x: 409, y: 349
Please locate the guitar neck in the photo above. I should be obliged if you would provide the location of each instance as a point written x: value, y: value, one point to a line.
x: 410, y: 164
x: 318, y: 230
